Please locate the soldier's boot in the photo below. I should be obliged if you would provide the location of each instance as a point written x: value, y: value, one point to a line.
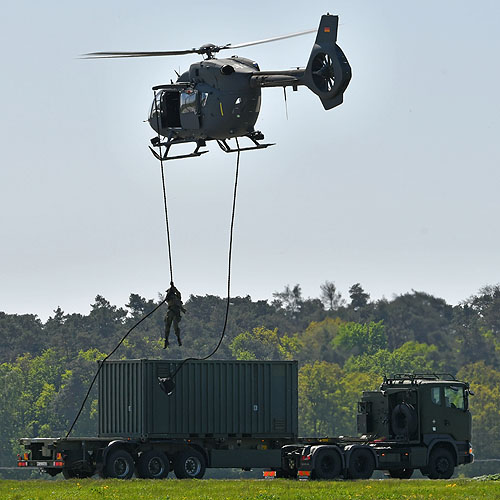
x: 166, y: 344
x: 179, y: 340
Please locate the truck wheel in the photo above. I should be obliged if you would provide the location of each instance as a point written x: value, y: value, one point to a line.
x: 327, y: 464
x: 401, y: 473
x: 361, y: 464
x: 119, y: 465
x: 189, y: 464
x: 441, y: 464
x: 153, y: 464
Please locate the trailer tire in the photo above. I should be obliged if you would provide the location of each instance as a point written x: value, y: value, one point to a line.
x: 189, y: 464
x: 441, y: 464
x: 119, y: 465
x: 153, y: 464
x: 327, y: 464
x: 361, y: 464
x: 401, y: 473
x: 404, y: 419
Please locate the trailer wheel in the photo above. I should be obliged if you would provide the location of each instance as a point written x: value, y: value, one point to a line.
x: 153, y: 464
x: 401, y: 473
x: 189, y: 464
x: 119, y: 465
x: 327, y: 464
x: 80, y: 469
x: 361, y: 464
x: 441, y: 464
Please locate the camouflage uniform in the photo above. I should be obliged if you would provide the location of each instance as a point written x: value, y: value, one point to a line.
x: 175, y: 307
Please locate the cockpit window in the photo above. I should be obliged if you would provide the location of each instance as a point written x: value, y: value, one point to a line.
x: 454, y: 397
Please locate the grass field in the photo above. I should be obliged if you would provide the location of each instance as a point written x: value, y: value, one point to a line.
x: 278, y: 489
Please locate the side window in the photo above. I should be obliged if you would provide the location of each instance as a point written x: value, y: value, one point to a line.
x: 454, y: 397
x: 189, y: 101
x: 436, y: 395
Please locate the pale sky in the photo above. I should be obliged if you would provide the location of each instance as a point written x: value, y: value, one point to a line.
x: 397, y: 189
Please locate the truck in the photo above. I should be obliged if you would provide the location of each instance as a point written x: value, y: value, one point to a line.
x: 244, y: 414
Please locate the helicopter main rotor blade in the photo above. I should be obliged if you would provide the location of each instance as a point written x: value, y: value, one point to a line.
x: 267, y: 40
x: 115, y: 55
x: 205, y: 49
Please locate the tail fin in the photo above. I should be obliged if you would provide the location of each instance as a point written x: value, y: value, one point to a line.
x: 328, y: 72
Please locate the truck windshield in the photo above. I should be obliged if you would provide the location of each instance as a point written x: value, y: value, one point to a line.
x: 454, y: 397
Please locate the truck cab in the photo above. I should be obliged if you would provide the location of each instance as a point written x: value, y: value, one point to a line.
x: 424, y: 415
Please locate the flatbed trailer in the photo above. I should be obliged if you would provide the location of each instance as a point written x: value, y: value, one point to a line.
x: 250, y: 420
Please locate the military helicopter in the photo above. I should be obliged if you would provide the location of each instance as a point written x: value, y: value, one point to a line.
x: 219, y: 99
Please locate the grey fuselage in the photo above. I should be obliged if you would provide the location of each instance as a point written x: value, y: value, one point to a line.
x: 213, y: 100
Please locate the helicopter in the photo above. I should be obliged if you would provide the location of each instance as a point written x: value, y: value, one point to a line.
x: 220, y: 99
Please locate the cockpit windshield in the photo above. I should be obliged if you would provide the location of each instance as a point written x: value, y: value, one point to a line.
x: 156, y: 104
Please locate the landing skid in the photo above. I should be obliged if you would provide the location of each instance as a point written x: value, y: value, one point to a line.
x: 255, y: 137
x: 167, y: 145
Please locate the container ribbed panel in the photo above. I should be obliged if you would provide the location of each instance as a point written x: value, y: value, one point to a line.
x: 211, y: 398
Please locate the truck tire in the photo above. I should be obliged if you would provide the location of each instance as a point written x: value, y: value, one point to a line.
x: 119, y: 465
x: 68, y: 473
x: 153, y: 464
x: 361, y: 464
x: 404, y: 419
x: 441, y: 464
x: 400, y: 473
x: 189, y: 464
x: 327, y: 464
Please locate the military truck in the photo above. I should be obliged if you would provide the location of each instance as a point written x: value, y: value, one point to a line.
x: 244, y: 414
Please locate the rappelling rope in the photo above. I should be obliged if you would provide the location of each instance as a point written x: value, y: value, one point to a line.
x: 164, y: 191
x: 230, y: 254
x: 101, y: 364
x: 171, y: 276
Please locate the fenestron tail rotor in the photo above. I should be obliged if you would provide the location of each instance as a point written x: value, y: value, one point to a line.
x: 323, y: 72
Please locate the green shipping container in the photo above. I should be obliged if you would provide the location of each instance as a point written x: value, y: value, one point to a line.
x: 211, y: 399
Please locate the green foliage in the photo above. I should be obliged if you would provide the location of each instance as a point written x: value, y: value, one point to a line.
x: 361, y: 338
x: 416, y: 316
x: 351, y: 387
x: 485, y: 408
x: 412, y: 357
x: 315, y: 342
x: 359, y: 298
x: 290, y: 300
x: 319, y: 384
x: 263, y: 343
x: 330, y: 296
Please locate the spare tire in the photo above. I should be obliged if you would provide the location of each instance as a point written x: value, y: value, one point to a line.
x: 404, y: 419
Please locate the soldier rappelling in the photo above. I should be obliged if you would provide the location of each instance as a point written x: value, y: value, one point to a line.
x: 175, y: 308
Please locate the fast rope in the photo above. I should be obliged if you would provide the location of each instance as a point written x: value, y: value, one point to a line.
x: 167, y: 383
x: 169, y: 380
x: 171, y: 279
x: 108, y: 356
x: 164, y: 192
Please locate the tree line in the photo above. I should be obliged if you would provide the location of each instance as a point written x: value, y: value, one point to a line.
x: 343, y: 345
